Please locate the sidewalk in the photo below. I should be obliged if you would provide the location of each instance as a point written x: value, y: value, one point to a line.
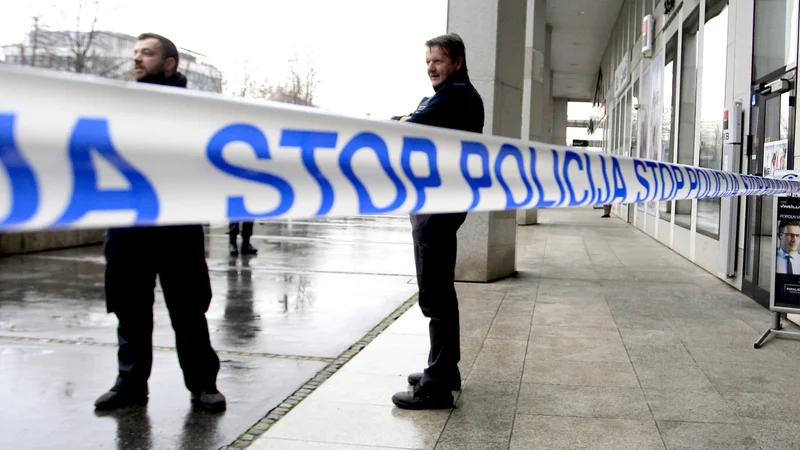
x: 606, y: 339
x: 277, y: 321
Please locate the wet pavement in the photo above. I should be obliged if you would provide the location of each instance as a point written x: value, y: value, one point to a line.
x: 276, y: 320
x: 605, y: 339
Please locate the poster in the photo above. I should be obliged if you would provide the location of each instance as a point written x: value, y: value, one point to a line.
x: 786, y: 287
x: 775, y: 155
x: 655, y: 118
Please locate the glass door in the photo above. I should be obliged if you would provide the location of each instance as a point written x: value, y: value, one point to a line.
x: 771, y: 128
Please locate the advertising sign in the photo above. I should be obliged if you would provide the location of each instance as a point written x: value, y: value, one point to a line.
x: 785, y: 292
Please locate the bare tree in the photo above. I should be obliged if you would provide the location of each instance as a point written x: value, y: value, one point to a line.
x: 26, y: 58
x: 83, y: 45
x: 298, y: 88
x: 80, y: 42
x: 82, y: 49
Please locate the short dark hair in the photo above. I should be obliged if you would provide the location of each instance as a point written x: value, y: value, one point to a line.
x: 787, y: 223
x: 453, y: 46
x: 168, y: 48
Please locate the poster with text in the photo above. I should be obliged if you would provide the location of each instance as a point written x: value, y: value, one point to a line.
x: 786, y: 291
x: 775, y: 155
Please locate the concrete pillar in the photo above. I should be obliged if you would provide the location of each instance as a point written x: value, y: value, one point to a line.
x: 494, y: 34
x: 536, y: 91
x: 527, y: 216
x: 559, y: 122
x: 535, y: 97
x: 547, y: 117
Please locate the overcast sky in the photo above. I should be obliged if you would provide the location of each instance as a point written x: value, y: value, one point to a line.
x: 369, y: 54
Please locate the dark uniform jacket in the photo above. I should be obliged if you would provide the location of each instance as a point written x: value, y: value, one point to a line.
x: 455, y: 105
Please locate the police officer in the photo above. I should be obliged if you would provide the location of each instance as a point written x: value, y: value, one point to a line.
x: 135, y: 256
x: 247, y: 231
x: 457, y: 105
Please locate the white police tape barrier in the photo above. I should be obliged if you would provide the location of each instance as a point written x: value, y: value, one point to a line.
x: 81, y: 153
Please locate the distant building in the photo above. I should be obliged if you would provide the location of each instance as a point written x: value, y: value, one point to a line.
x: 109, y: 55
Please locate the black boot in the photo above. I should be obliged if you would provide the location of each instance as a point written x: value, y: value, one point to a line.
x: 121, y: 398
x: 424, y: 398
x: 210, y: 400
x: 232, y: 250
x: 248, y: 249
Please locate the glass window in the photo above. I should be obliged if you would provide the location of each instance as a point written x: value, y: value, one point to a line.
x: 644, y: 113
x: 603, y: 132
x: 600, y: 131
x: 712, y: 101
x: 616, y: 129
x: 636, y: 26
x: 668, y: 112
x: 621, y: 128
x: 623, y: 28
x: 774, y: 36
x: 620, y: 119
x: 612, y: 130
x: 630, y: 136
x: 648, y: 7
x: 689, y: 49
x: 623, y: 113
x: 639, y: 16
x: 634, y: 151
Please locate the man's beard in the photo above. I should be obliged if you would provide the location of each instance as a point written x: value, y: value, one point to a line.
x: 151, y: 73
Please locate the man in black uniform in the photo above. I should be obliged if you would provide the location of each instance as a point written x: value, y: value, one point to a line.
x: 135, y: 256
x: 247, y: 231
x: 457, y: 105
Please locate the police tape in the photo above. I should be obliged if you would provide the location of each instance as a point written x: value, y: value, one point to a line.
x: 82, y: 153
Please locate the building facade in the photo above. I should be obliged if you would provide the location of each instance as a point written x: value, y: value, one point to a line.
x: 663, y: 75
x: 674, y: 76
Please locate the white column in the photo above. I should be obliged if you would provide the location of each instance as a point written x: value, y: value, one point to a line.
x: 536, y: 92
x: 559, y: 122
x: 494, y: 34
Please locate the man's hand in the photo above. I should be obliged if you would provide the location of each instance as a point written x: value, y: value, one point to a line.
x: 404, y: 118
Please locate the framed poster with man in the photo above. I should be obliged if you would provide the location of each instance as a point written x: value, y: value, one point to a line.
x: 785, y: 296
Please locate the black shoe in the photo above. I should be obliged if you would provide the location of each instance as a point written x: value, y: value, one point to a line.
x: 248, y: 249
x: 119, y: 398
x: 233, y: 250
x: 415, y: 378
x: 606, y: 215
x: 422, y: 398
x: 211, y: 400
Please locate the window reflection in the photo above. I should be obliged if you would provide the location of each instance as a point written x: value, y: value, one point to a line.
x: 634, y: 121
x: 629, y: 110
x: 644, y: 112
x: 774, y: 36
x: 715, y: 45
x: 668, y: 114
x: 689, y: 49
